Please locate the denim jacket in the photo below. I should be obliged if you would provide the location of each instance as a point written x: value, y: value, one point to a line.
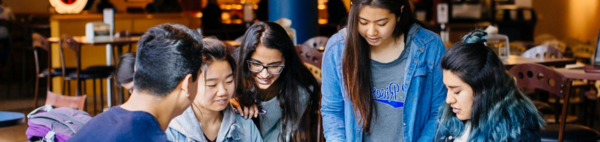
x: 234, y: 128
x: 425, y: 91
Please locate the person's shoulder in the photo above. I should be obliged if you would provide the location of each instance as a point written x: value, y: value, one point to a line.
x: 425, y: 37
x: 335, y: 45
x: 118, y: 124
x: 243, y: 122
x: 336, y: 41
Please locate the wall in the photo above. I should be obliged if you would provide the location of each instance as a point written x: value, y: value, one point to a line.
x: 28, y: 6
x: 579, y: 19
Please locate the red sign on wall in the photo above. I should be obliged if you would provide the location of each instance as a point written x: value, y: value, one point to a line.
x: 68, y: 1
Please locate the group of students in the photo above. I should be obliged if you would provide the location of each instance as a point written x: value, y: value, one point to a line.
x: 181, y: 86
x: 384, y: 78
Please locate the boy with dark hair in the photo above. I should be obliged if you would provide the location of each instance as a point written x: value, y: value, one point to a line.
x: 167, y: 67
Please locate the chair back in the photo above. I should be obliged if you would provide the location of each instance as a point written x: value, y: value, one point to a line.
x: 536, y: 76
x: 543, y: 52
x: 57, y: 100
x: 310, y: 55
x: 540, y: 39
x: 317, y: 42
x: 582, y: 50
x: 314, y: 70
x: 68, y: 42
x: 516, y: 48
x: 561, y: 46
x: 40, y: 42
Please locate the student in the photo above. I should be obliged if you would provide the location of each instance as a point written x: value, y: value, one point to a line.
x: 209, y: 119
x: 271, y: 75
x: 483, y: 102
x: 167, y: 67
x: 381, y: 76
x: 125, y: 71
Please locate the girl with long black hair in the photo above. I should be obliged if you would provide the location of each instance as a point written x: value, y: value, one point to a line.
x: 270, y: 75
x: 381, y: 76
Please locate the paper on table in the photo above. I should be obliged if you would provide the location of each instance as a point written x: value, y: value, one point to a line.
x: 577, y: 65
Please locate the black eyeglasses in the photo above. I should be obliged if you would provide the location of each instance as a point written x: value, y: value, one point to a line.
x: 258, y: 67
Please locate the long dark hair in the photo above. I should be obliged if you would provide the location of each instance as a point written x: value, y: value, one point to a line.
x: 357, y: 56
x: 294, y: 78
x: 125, y: 68
x: 496, y: 98
x: 215, y: 50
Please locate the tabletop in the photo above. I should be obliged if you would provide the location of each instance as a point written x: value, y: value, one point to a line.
x: 108, y: 40
x: 11, y: 118
x: 513, y: 60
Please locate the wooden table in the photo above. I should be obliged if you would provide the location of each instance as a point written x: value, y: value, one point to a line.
x: 578, y: 74
x: 104, y: 41
x: 515, y: 60
x: 109, y: 42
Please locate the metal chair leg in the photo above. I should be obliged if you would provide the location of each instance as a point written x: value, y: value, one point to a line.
x: 94, y: 95
x: 101, y: 95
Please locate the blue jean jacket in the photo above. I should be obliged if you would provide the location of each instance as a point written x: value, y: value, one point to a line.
x: 423, y: 77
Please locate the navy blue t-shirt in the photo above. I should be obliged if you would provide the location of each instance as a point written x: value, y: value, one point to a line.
x: 118, y: 124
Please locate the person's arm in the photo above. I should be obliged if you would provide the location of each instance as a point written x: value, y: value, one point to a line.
x: 438, y: 91
x: 244, y: 111
x: 332, y: 101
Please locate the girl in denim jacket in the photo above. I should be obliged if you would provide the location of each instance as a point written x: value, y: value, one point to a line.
x: 209, y: 119
x: 381, y: 76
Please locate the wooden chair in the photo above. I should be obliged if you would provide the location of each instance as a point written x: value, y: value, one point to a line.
x: 536, y: 76
x: 543, y: 51
x: 310, y: 55
x: 316, y: 71
x: 516, y: 48
x: 583, y: 51
x: 318, y: 42
x: 561, y: 46
x: 57, y: 100
x: 312, y: 59
x: 41, y: 44
x: 93, y: 72
x: 540, y: 39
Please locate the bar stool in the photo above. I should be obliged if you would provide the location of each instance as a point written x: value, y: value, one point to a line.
x: 39, y: 42
x: 93, y: 72
x: 116, y: 59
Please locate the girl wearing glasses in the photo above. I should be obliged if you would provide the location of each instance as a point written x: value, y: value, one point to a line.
x: 271, y: 76
x: 381, y: 76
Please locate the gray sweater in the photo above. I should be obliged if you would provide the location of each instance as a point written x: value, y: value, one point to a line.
x: 271, y: 121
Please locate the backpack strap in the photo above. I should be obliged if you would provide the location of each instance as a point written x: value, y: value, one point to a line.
x: 46, y: 108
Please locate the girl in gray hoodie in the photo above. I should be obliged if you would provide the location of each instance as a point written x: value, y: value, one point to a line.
x: 209, y: 119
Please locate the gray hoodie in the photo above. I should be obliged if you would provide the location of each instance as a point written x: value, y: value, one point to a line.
x: 234, y: 128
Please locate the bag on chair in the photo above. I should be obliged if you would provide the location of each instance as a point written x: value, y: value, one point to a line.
x: 55, y: 124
